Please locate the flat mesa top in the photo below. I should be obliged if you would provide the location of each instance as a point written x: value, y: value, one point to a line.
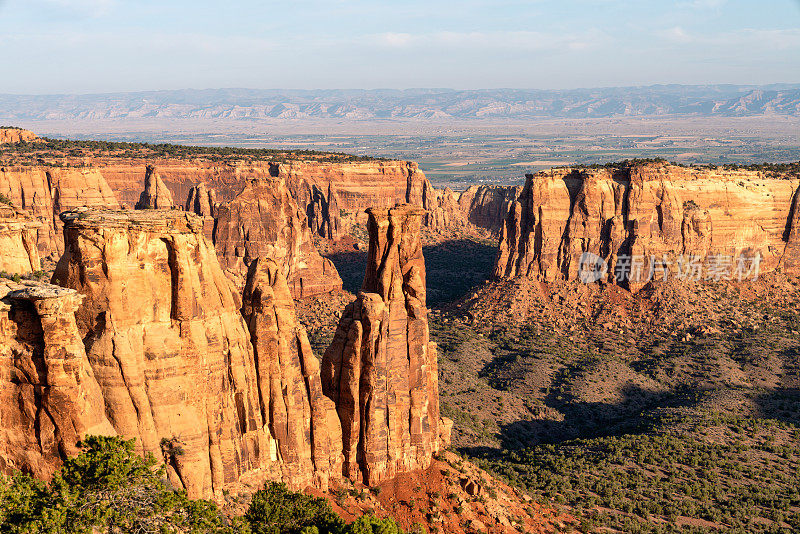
x: 32, y: 290
x: 155, y: 220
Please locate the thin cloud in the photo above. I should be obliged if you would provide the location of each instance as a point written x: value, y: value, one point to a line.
x: 88, y: 7
x: 498, y: 40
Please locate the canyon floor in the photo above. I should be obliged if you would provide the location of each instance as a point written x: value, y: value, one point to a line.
x: 672, y: 409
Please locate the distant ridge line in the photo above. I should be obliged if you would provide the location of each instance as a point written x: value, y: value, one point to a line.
x: 421, y: 104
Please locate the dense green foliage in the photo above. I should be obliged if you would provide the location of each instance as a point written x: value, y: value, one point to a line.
x: 110, y: 488
x: 276, y: 510
x: 107, y: 487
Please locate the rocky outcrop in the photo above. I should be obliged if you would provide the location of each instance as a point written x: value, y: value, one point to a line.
x: 486, y: 206
x: 220, y: 399
x: 644, y: 221
x: 49, y: 398
x: 164, y: 335
x: 264, y: 221
x: 10, y: 136
x: 156, y: 195
x: 18, y: 236
x: 202, y: 201
x: 44, y: 193
x: 381, y: 368
x: 302, y: 421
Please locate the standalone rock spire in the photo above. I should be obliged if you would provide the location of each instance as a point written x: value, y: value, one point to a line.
x: 381, y: 368
x: 156, y: 195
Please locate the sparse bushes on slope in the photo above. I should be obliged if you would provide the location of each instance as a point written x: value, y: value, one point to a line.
x: 110, y: 488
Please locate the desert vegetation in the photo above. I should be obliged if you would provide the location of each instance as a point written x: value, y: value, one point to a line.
x: 109, y: 488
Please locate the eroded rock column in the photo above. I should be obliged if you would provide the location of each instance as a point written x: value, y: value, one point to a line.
x: 381, y: 368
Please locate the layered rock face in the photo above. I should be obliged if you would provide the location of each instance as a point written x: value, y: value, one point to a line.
x: 487, y: 206
x: 264, y: 221
x: 44, y: 193
x: 16, y: 135
x: 381, y: 368
x: 644, y: 212
x: 301, y: 419
x: 156, y: 194
x: 49, y: 398
x: 18, y: 242
x: 202, y: 201
x: 221, y: 400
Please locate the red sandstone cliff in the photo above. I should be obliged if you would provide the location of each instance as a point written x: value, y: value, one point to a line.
x: 643, y: 212
x: 264, y: 221
x: 49, y: 397
x: 381, y: 368
x: 18, y: 242
x: 220, y: 399
x: 45, y: 192
x: 16, y: 135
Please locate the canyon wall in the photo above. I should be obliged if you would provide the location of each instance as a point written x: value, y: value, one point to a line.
x: 332, y: 196
x: 49, y: 398
x: 221, y: 400
x: 381, y: 368
x: 18, y: 242
x: 643, y: 212
x: 16, y: 135
x: 265, y: 221
x: 145, y: 336
x: 44, y: 192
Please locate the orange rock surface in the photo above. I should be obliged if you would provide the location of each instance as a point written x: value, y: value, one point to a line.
x: 264, y: 221
x: 302, y: 421
x: 645, y: 211
x: 49, y: 398
x: 156, y: 194
x: 174, y: 357
x: 18, y: 242
x: 380, y: 369
x: 16, y: 135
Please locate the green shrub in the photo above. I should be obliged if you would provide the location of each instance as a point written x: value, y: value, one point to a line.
x: 105, y: 487
x: 276, y: 510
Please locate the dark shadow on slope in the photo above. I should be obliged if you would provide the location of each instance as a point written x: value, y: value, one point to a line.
x: 635, y: 413
x: 453, y: 268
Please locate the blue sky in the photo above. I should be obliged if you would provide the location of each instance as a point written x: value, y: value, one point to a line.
x: 85, y: 46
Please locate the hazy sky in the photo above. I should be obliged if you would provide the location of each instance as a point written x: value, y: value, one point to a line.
x: 55, y: 46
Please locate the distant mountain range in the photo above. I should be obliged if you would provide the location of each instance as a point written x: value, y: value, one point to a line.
x: 422, y: 104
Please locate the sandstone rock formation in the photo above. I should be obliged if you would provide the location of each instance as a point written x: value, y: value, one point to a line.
x: 169, y: 348
x: 221, y: 400
x: 16, y: 135
x: 264, y: 221
x: 156, y: 195
x: 44, y: 193
x: 656, y: 216
x: 381, y: 368
x: 301, y: 419
x: 49, y: 398
x: 486, y: 206
x: 19, y: 253
x: 202, y: 201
